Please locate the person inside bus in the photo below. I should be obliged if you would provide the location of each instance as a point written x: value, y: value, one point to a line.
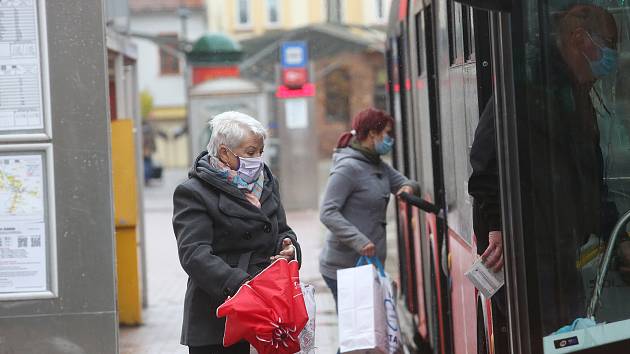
x: 356, y: 197
x: 576, y: 206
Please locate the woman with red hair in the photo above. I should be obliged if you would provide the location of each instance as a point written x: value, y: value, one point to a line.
x: 359, y: 187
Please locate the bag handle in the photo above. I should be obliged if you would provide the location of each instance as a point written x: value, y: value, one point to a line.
x: 373, y: 261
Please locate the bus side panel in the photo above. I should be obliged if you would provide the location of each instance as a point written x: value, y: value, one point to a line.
x: 431, y: 225
x: 416, y: 223
x: 463, y: 303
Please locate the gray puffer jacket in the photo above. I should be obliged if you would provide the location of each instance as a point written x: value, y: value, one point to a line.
x: 354, y: 208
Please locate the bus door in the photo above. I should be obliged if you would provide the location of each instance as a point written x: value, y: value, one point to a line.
x: 431, y: 294
x: 563, y: 113
x: 405, y: 160
x: 464, y: 88
x: 423, y: 294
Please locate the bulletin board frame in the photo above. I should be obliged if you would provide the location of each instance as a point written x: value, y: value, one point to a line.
x: 44, y: 133
x: 49, y: 237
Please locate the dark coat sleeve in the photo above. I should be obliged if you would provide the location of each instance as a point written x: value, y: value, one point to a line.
x: 483, y: 184
x: 193, y: 230
x: 284, y: 231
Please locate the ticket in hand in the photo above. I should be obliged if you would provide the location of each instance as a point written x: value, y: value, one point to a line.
x: 484, y: 279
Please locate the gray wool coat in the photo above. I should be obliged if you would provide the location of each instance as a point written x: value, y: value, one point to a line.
x: 222, y: 240
x: 354, y: 208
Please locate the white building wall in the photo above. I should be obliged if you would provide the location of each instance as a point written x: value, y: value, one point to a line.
x: 167, y: 90
x: 298, y: 14
x: 217, y: 15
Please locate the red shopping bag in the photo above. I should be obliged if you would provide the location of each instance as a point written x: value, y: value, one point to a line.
x: 268, y: 311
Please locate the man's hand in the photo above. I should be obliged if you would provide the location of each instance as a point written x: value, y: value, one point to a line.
x: 405, y: 189
x: 368, y: 250
x: 287, y: 252
x: 492, y: 257
x: 624, y: 260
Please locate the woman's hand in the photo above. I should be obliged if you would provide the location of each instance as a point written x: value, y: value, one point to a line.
x: 368, y: 250
x: 287, y: 252
x: 405, y: 189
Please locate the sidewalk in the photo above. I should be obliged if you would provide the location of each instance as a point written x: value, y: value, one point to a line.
x: 167, y: 281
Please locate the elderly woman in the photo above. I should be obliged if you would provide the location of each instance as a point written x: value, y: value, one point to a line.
x: 230, y: 224
x: 356, y: 197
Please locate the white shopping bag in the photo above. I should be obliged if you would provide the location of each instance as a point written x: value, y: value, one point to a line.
x: 394, y: 338
x: 307, y: 336
x: 368, y: 322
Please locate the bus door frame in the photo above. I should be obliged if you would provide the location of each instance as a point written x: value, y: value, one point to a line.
x: 521, y: 294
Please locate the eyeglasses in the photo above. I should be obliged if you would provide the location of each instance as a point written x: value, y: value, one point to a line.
x: 601, y: 41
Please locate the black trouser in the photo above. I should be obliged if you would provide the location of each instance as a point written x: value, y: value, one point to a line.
x: 238, y: 348
x: 499, y: 299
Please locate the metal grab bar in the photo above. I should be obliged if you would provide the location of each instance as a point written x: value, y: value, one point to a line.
x: 421, y: 204
x: 603, y: 268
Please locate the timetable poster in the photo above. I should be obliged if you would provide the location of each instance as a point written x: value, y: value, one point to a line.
x: 21, y: 108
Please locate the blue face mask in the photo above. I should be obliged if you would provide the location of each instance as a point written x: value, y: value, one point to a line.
x: 607, y: 62
x: 384, y: 146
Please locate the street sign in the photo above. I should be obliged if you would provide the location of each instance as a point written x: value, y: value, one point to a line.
x: 294, y: 78
x: 308, y: 90
x: 294, y: 54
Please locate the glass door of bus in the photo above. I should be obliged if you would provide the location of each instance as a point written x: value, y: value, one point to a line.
x: 565, y: 123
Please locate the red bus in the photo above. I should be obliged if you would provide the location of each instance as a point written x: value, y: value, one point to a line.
x: 561, y: 137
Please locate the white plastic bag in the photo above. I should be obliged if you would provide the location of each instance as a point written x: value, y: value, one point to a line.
x: 307, y: 336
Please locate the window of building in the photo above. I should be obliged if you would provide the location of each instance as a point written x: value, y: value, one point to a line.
x: 169, y: 63
x: 243, y: 13
x: 337, y: 86
x: 334, y: 11
x: 380, y: 91
x: 273, y: 12
x: 379, y: 7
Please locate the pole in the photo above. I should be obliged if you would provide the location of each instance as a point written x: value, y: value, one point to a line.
x: 184, y: 14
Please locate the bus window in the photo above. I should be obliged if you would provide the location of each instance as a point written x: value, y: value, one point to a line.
x: 469, y: 33
x: 461, y: 33
x: 578, y: 181
x: 420, y: 55
x: 452, y: 41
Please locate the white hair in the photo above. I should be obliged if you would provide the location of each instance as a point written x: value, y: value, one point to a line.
x: 230, y: 128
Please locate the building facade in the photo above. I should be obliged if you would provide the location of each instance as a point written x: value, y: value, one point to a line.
x: 162, y: 31
x: 247, y: 18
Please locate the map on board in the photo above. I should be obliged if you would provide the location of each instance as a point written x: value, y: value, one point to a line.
x: 21, y: 188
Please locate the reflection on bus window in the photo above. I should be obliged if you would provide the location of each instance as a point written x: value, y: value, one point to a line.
x: 580, y: 149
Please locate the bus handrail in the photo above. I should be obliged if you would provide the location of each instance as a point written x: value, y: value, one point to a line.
x: 421, y: 204
x: 603, y: 268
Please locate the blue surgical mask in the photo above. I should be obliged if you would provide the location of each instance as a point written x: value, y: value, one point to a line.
x: 384, y: 146
x: 607, y: 62
x: 248, y: 168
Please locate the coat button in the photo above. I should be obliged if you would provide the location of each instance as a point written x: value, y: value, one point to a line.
x: 247, y: 236
x: 267, y: 228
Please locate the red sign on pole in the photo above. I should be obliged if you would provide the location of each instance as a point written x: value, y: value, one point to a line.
x: 294, y: 78
x: 307, y: 90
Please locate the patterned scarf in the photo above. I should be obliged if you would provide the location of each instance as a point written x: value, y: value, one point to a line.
x: 252, y: 191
